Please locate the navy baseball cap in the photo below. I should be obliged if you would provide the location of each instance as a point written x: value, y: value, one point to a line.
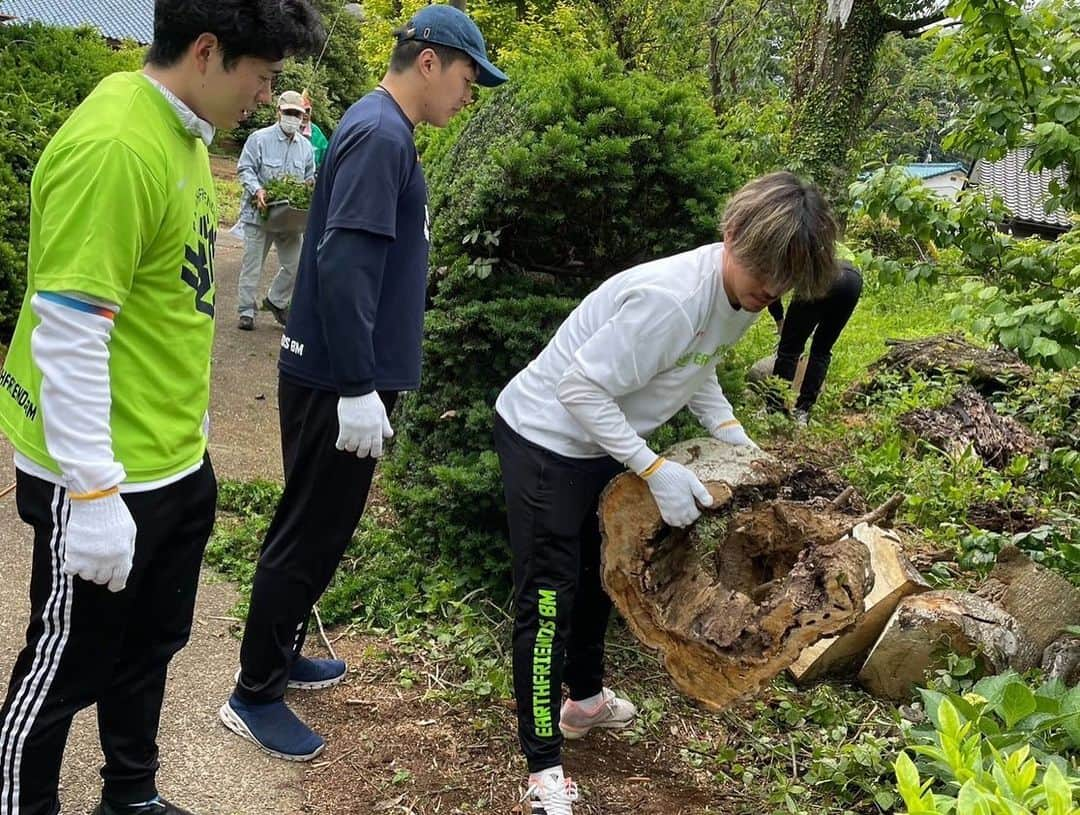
x: 446, y: 25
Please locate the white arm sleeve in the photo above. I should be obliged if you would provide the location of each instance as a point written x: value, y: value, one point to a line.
x: 710, y: 405
x: 71, y: 349
x: 647, y: 334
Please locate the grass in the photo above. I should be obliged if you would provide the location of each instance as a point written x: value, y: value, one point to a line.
x: 229, y: 192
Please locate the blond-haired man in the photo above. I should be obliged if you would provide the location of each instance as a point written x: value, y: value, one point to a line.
x: 631, y: 355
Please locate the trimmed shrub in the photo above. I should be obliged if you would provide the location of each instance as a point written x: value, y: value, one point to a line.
x: 580, y: 168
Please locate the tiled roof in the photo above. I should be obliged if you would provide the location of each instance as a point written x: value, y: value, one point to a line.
x: 925, y: 171
x: 115, y: 19
x: 1022, y: 192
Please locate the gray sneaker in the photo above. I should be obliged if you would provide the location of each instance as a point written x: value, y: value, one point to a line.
x: 611, y: 713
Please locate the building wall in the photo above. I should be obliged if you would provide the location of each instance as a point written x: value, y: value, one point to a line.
x: 947, y: 185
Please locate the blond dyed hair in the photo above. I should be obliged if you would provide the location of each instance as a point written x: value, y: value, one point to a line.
x: 783, y: 231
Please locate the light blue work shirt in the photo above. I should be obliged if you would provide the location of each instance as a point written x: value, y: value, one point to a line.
x: 268, y: 153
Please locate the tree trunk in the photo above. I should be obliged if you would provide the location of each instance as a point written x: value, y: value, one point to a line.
x: 927, y: 626
x: 458, y: 4
x: 835, y: 66
x: 732, y: 601
x: 1041, y: 600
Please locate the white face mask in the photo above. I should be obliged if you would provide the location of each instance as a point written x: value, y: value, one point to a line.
x: 290, y: 124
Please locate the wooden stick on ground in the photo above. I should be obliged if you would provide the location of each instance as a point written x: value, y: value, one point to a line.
x: 842, y: 499
x: 882, y: 513
x: 322, y: 633
x: 7, y: 489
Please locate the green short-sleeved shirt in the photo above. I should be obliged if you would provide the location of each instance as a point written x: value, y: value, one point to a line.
x: 122, y: 208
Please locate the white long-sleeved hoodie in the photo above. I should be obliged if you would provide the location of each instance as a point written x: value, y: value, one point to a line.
x: 628, y: 358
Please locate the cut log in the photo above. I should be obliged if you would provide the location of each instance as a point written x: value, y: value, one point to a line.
x: 1041, y: 600
x: 971, y: 420
x: 1061, y: 660
x: 895, y: 578
x: 988, y: 370
x: 926, y: 627
x: 763, y: 369
x: 733, y: 601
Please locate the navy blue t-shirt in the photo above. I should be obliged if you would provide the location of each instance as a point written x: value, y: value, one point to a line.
x: 357, y: 313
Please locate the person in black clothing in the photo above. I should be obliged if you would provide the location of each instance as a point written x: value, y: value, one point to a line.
x: 352, y: 343
x: 825, y: 319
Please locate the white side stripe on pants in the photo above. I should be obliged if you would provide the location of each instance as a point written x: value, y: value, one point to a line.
x: 56, y: 618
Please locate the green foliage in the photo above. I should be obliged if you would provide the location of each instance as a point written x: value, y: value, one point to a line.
x: 826, y: 750
x: 911, y: 97
x: 1002, y: 748
x: 580, y: 169
x: 44, y: 74
x: 297, y: 193
x: 1021, y: 65
x: 443, y: 477
x: 1024, y: 295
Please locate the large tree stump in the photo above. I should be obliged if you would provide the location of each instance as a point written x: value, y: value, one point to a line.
x: 1042, y: 601
x: 895, y: 579
x: 988, y: 370
x: 733, y: 601
x: 971, y: 420
x: 927, y: 626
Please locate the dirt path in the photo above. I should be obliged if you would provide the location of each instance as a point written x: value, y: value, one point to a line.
x: 203, y: 767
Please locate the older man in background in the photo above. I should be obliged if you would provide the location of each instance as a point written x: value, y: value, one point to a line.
x: 277, y: 151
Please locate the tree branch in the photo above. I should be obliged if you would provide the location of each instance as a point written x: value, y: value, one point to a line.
x: 910, y: 27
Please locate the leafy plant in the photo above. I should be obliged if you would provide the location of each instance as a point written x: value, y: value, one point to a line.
x: 1002, y: 748
x: 297, y: 193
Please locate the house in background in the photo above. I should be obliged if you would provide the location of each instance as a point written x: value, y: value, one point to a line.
x: 1024, y: 194
x: 117, y: 20
x: 944, y: 180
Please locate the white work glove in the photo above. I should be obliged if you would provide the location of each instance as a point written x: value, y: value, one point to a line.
x: 99, y: 542
x: 675, y: 489
x: 362, y: 425
x: 733, y: 434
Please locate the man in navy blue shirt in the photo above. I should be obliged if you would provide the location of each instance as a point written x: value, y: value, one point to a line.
x: 351, y: 344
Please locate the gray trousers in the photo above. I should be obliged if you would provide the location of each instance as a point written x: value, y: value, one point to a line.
x: 257, y: 243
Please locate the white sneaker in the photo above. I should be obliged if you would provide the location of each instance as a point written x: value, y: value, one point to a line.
x: 549, y: 793
x: 611, y: 712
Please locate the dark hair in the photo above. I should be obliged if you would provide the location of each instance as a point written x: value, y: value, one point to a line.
x: 407, y: 50
x: 268, y: 29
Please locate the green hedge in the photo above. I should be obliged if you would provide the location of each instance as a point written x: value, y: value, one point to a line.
x: 44, y: 73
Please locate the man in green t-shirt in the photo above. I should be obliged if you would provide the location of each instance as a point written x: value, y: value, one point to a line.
x: 105, y: 388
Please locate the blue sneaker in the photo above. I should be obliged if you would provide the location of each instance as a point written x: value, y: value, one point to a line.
x: 316, y: 674
x: 313, y: 674
x: 274, y: 728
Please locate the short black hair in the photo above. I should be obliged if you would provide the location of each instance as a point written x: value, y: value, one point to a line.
x: 267, y: 29
x: 407, y: 50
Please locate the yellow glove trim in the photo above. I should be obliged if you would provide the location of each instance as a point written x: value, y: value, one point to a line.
x: 93, y: 495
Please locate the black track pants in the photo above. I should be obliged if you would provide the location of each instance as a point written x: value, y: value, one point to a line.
x: 561, y: 608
